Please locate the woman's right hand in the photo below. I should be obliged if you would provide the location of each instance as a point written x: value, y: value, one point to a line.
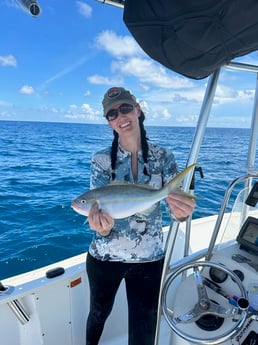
x: 100, y: 221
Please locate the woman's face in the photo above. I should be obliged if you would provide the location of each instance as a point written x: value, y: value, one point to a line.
x: 126, y: 124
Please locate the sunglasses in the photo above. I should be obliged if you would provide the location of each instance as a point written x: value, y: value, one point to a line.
x: 124, y: 109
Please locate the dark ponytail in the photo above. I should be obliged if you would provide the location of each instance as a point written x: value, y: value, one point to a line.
x: 144, y: 143
x: 114, y: 155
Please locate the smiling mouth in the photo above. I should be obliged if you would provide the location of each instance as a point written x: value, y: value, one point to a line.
x: 125, y: 124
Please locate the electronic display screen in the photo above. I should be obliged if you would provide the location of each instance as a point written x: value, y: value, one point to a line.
x: 253, y: 196
x: 248, y: 235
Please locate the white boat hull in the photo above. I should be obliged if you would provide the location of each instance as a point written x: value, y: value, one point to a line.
x: 57, y: 307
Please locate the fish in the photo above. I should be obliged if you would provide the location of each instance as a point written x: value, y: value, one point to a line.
x: 121, y: 200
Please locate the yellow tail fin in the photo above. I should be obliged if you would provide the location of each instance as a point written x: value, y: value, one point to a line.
x: 174, y: 186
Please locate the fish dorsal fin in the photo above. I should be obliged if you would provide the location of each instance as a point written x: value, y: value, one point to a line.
x: 114, y: 183
x: 144, y: 186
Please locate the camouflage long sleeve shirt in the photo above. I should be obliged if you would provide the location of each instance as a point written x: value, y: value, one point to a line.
x: 137, y: 238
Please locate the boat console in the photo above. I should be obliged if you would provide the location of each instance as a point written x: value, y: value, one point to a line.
x: 216, y: 298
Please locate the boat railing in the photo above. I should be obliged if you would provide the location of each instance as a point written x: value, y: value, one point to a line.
x: 215, y: 244
x: 221, y: 214
x: 240, y: 66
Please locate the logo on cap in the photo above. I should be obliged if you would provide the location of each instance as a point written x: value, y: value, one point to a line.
x: 114, y: 92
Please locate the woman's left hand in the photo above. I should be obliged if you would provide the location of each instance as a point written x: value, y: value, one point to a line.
x: 181, y: 206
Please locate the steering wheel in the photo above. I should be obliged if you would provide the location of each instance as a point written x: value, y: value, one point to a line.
x: 204, y: 306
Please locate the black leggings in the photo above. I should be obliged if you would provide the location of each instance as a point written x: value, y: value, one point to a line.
x: 142, y: 288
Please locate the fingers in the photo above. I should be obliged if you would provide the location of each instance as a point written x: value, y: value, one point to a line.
x: 181, y: 205
x: 100, y: 221
x: 106, y: 221
x: 94, y: 215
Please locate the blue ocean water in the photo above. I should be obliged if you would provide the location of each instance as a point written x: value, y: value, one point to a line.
x: 44, y: 166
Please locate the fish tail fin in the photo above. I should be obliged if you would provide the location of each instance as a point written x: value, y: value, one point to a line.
x: 174, y: 186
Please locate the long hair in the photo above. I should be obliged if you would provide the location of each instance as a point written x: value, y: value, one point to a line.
x: 144, y: 144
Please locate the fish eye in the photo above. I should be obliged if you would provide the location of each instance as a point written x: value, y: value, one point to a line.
x: 83, y: 201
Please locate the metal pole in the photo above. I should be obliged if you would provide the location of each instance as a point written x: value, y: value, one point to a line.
x: 202, y: 123
x: 116, y: 3
x: 197, y: 140
x: 251, y: 149
x: 254, y: 126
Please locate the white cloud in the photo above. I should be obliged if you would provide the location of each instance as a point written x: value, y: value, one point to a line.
x: 118, y: 45
x: 85, y: 112
x: 192, y: 95
x: 166, y: 114
x: 8, y: 60
x: 246, y: 94
x: 101, y: 80
x: 84, y: 9
x: 54, y: 110
x: 149, y: 72
x: 86, y: 108
x: 160, y: 113
x: 226, y: 94
x: 130, y: 60
x: 163, y: 91
x: 87, y: 93
x: 186, y: 120
x: 26, y: 90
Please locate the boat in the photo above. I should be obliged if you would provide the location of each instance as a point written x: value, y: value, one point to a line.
x: 209, y: 287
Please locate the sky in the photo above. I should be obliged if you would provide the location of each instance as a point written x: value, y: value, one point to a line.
x: 56, y: 67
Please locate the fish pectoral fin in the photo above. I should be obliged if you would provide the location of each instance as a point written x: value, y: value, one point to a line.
x: 188, y: 195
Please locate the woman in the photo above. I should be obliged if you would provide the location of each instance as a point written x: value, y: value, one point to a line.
x: 129, y: 248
